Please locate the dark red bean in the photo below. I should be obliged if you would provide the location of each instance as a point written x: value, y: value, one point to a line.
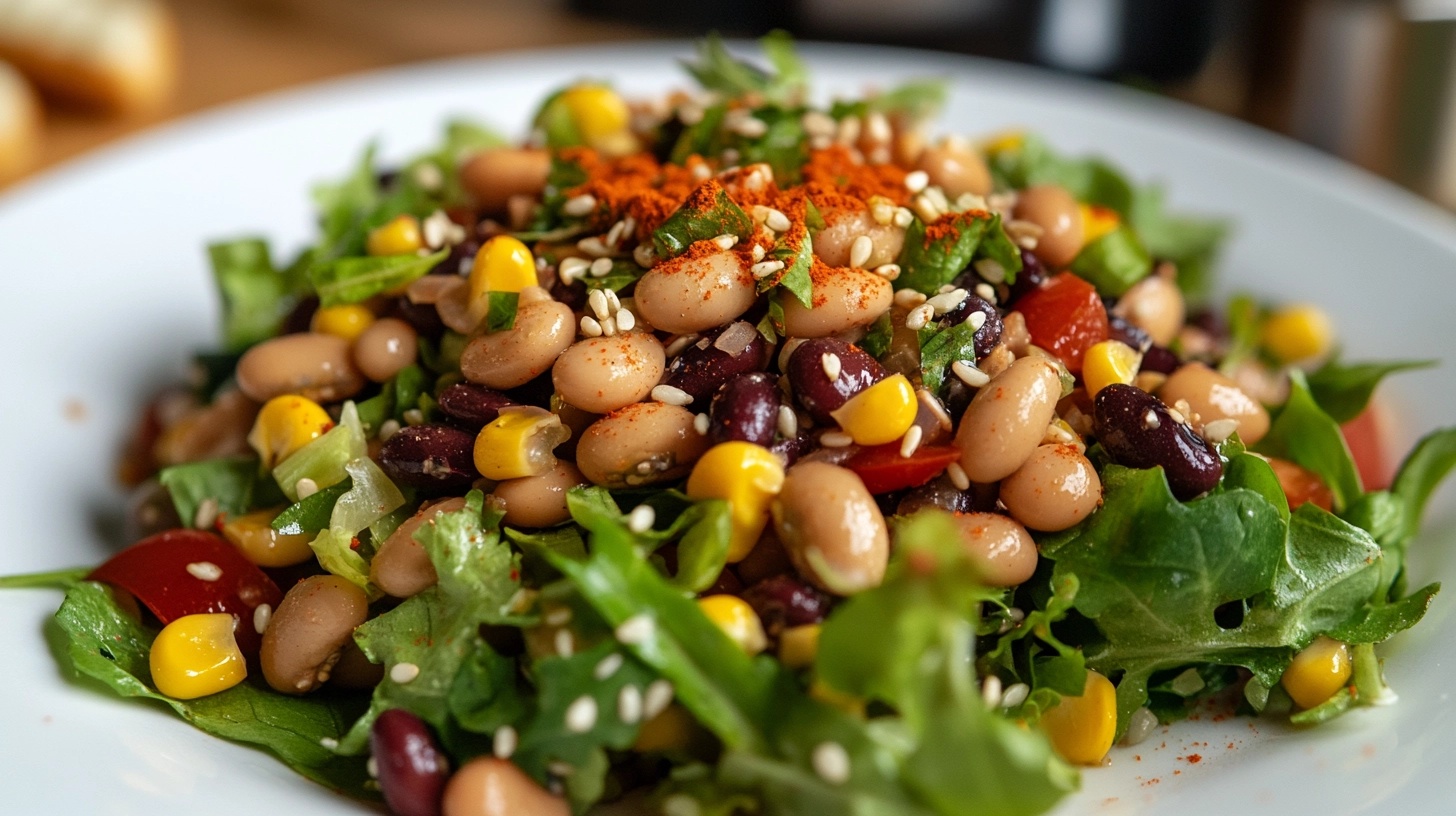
x: 990, y: 332
x: 461, y: 256
x: 1137, y: 430
x: 727, y: 584
x: 1029, y: 279
x: 424, y: 317
x: 1159, y: 359
x: 430, y: 457
x: 472, y: 406
x: 784, y: 601
x: 745, y: 409
x: 938, y: 493
x: 1127, y: 334
x: 300, y: 318
x: 812, y: 386
x: 412, y: 769
x: 791, y: 449
x: 703, y: 366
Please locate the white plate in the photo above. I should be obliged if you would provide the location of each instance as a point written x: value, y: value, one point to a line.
x: 108, y: 292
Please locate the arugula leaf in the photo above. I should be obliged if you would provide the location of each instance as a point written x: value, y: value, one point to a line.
x: 783, y: 146
x: 1428, y: 464
x: 438, y: 630
x: 706, y: 137
x: 344, y: 207
x: 1382, y: 622
x: 796, y: 250
x: 501, y: 313
x: 917, y: 99
x: 1114, y: 262
x: 231, y: 481
x: 940, y: 348
x: 564, y: 681
x: 1343, y: 390
x: 255, y: 296
x: 102, y: 642
x: 309, y: 515
x: 707, y: 213
x: 355, y: 279
x: 933, y: 256
x: 1090, y: 180
x: 718, y: 70
x: 624, y: 273
x: 370, y: 497
x: 1304, y: 434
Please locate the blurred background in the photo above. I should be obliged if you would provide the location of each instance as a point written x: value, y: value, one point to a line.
x: 1372, y: 81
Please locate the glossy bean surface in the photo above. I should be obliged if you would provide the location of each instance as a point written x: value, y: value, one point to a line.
x: 832, y: 528
x: 1215, y: 397
x: 745, y: 409
x: 401, y: 567
x: 514, y: 357
x: 1138, y: 431
x: 472, y: 406
x: 821, y: 394
x: 540, y: 500
x: 641, y: 444
x: 386, y: 348
x: 717, y: 357
x: 1001, y: 549
x: 602, y: 374
x: 412, y: 769
x: 307, y: 630
x: 695, y: 292
x: 844, y: 300
x: 1054, y: 489
x: 1007, y: 419
x: 316, y: 366
x: 430, y: 457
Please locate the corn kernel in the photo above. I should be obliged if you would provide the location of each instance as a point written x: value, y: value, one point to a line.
x: 400, y: 235
x: 737, y: 619
x: 1297, y: 333
x: 879, y: 414
x: 255, y: 538
x: 504, y: 264
x: 196, y: 655
x: 1081, y: 728
x: 1003, y: 142
x: 286, y: 424
x: 799, y: 645
x: 519, y: 442
x: 1097, y: 221
x: 1109, y: 362
x: 1318, y: 672
x: 347, y: 321
x: 747, y: 476
x: 598, y: 112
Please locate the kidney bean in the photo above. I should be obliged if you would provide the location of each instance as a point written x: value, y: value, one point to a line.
x: 718, y: 357
x: 461, y: 257
x: 424, y: 317
x: 812, y: 385
x: 307, y: 631
x: 791, y: 449
x: 745, y: 409
x: 990, y: 332
x: 300, y: 317
x: 472, y: 406
x: 1126, y: 333
x: 430, y: 457
x: 938, y: 493
x: 1031, y: 277
x: 412, y: 769
x: 832, y: 528
x: 1137, y: 430
x: 784, y: 601
x: 1159, y: 360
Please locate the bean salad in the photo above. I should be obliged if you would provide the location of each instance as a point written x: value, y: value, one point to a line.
x: 720, y: 453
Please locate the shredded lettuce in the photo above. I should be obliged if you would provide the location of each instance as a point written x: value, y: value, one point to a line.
x: 323, y: 459
x: 371, y: 496
x: 255, y: 296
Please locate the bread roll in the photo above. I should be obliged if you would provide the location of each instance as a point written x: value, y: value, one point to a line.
x: 19, y: 123
x: 116, y: 56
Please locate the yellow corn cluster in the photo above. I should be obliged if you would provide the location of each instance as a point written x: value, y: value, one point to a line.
x: 400, y: 235
x: 286, y: 424
x: 1107, y: 363
x: 196, y: 655
x: 737, y: 619
x: 748, y: 477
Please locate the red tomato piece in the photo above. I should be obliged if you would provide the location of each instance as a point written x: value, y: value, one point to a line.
x: 156, y: 571
x: 1300, y: 485
x: 883, y: 469
x: 1367, y: 443
x: 1065, y: 317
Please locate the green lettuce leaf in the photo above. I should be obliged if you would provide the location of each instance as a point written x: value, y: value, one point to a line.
x: 255, y: 296
x: 232, y: 481
x: 929, y: 261
x: 311, y: 514
x: 940, y: 348
x: 718, y: 70
x: 355, y: 279
x: 1343, y: 390
x: 323, y: 460
x: 707, y: 213
x: 1304, y: 434
x: 371, y: 496
x: 105, y: 644
x: 1114, y: 262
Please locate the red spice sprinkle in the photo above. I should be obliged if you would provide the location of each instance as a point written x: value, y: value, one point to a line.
x: 1194, y: 759
x: 354, y: 543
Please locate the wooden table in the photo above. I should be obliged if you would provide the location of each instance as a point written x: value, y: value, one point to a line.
x: 231, y: 49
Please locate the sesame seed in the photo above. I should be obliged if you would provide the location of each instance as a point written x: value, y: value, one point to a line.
x: 636, y: 629
x: 991, y: 691
x: 970, y: 201
x: 371, y: 766
x: 1177, y: 416
x: 976, y: 320
x: 763, y: 269
x: 936, y: 196
x: 860, y: 250
x: 949, y: 301
x: 590, y: 327
x: 831, y: 762
x: 629, y: 704
x: 1151, y: 421
x: 404, y: 672
x: 1220, y: 429
x: 564, y: 643
x: 1014, y: 695
x: 848, y: 130
x: 788, y: 422
x: 757, y: 252
x: 206, y: 514
x: 680, y: 804
x: 908, y: 298
x: 616, y: 233
x: 558, y: 616
x: 772, y: 218
x: 916, y: 181
x: 672, y: 395
x: 657, y: 698
x: 608, y: 666
x: 679, y: 343
x: 889, y: 272
x: 428, y: 176
x: 836, y: 439
x: 594, y: 246
x: 903, y: 217
x: 958, y: 476
x: 626, y: 320
x: 503, y: 743
x: 877, y: 127
x: 919, y: 316
x: 725, y: 242
x: 387, y: 429
x: 609, y: 326
x: 600, y: 267
x: 926, y: 208
x: 831, y: 364
x: 750, y: 127
x: 986, y: 292
x: 597, y: 301
x: 690, y: 114
x: 991, y: 270
x: 414, y: 416
x: 641, y: 519
x: 644, y: 255
x: 573, y: 269
x: 204, y: 571
x: 306, y: 487
x: 910, y: 441
x: 262, y: 616
x: 701, y: 423
x: 577, y: 206
x: 581, y: 715
x: 882, y: 210
x: 329, y: 743
x: 818, y: 123
x: 966, y: 372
